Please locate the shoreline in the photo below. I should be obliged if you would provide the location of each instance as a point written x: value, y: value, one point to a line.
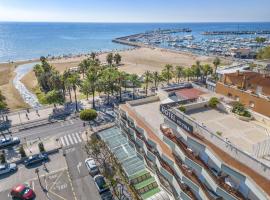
x: 134, y: 60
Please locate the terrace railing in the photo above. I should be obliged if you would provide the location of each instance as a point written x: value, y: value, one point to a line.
x: 226, y: 146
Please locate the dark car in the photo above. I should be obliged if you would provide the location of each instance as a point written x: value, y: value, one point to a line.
x: 36, y: 159
x: 9, y: 141
x: 22, y: 192
x: 101, y: 184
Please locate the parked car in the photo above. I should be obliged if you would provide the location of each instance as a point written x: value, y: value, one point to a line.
x: 106, y: 195
x: 7, y: 168
x: 36, y: 159
x: 91, y: 166
x: 22, y: 192
x: 101, y: 183
x: 9, y: 141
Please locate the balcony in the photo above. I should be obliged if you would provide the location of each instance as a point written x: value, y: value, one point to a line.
x: 219, y: 180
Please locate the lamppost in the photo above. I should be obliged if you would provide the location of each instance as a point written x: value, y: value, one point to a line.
x: 37, y: 172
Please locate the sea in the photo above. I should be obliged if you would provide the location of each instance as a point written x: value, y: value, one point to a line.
x: 24, y: 41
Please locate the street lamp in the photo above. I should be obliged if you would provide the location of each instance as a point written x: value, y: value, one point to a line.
x: 37, y: 172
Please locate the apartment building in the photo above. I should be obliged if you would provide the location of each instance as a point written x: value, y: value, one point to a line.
x: 250, y: 88
x: 202, y: 153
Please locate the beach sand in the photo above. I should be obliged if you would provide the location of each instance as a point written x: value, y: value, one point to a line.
x: 133, y: 61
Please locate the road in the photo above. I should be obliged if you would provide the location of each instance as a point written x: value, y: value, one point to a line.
x: 82, y: 182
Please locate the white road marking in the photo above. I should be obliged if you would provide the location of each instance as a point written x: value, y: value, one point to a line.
x: 70, y: 139
x: 66, y: 139
x: 62, y: 141
x: 71, y: 122
x: 33, y: 185
x: 78, y: 167
x: 74, y: 138
x: 78, y: 137
x: 62, y: 124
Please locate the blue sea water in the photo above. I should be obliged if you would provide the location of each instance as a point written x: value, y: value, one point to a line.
x: 21, y: 41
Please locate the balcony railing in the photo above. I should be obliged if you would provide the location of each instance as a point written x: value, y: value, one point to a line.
x: 220, y: 181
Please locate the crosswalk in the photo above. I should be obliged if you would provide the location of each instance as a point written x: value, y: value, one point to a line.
x: 71, y: 139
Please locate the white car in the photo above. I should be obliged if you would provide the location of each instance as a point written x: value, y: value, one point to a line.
x: 91, y: 166
x: 7, y: 168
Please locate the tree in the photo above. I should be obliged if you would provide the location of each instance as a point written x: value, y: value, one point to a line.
x: 196, y: 70
x: 84, y: 65
x: 122, y: 78
x: 213, y: 102
x: 188, y: 73
x: 67, y: 85
x: 85, y: 88
x: 147, y: 80
x: 93, y: 55
x: 74, y: 81
x: 88, y: 115
x: 41, y: 147
x: 135, y: 81
x: 167, y: 73
x: 98, y: 150
x: 3, y: 104
x: 22, y: 151
x: 206, y: 70
x: 3, y: 157
x: 216, y: 63
x: 264, y: 53
x: 178, y: 73
x: 117, y: 58
x: 260, y: 40
x: 55, y: 97
x: 108, y: 81
x: 93, y: 79
x: 109, y: 59
x: 156, y: 78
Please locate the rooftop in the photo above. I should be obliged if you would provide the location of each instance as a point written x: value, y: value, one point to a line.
x: 240, y: 133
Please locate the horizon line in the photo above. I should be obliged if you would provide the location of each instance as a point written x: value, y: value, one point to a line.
x: 154, y: 22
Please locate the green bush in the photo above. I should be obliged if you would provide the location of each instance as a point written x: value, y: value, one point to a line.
x: 88, y: 115
x: 219, y: 133
x: 213, y: 102
x: 22, y: 151
x: 41, y: 147
x: 182, y: 108
x: 240, y: 110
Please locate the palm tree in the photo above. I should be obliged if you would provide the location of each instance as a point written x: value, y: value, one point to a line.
x: 117, y: 58
x: 178, y: 73
x: 216, y: 63
x: 109, y: 59
x: 147, y: 80
x: 188, y: 72
x: 167, y: 73
x: 156, y: 78
x: 85, y: 88
x: 122, y: 78
x: 92, y: 77
x: 93, y: 55
x: 66, y: 75
x: 83, y: 66
x: 135, y: 80
x: 74, y: 81
x: 206, y: 70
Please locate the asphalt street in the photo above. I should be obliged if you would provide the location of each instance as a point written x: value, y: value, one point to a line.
x: 82, y: 182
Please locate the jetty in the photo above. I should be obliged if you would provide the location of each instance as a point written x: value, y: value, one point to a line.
x: 266, y: 32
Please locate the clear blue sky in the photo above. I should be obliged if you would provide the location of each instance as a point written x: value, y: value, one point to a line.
x: 135, y: 10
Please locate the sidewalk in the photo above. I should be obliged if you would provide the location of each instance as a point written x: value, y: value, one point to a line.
x: 51, y: 145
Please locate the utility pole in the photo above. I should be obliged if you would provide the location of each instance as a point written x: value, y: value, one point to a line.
x: 37, y: 172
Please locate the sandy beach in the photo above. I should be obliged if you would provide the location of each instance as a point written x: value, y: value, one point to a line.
x: 136, y: 60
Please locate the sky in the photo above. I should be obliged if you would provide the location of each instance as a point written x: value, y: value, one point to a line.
x: 135, y: 10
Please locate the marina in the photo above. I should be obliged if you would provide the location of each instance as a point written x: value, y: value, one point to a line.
x: 238, y: 44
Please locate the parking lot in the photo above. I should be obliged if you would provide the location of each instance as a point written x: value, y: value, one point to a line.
x: 23, y: 174
x: 54, y: 186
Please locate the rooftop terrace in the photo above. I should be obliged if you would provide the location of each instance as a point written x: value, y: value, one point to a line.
x: 240, y: 133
